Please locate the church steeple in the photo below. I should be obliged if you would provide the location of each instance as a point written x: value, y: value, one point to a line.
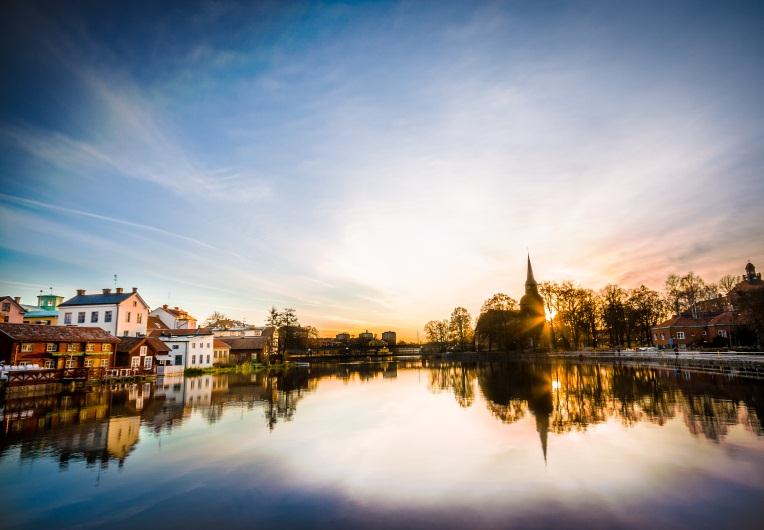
x: 530, y: 282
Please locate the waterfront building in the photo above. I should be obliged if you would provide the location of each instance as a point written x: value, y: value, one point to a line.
x: 366, y: 335
x: 190, y: 348
x: 174, y: 317
x: 343, y: 337
x: 56, y: 346
x: 11, y: 310
x: 140, y: 353
x: 713, y: 322
x: 532, y: 308
x: 389, y: 337
x: 221, y: 351
x: 45, y: 312
x: 249, y: 349
x: 121, y: 314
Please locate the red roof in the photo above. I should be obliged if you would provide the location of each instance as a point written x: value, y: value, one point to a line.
x: 724, y: 319
x: 681, y: 321
x: 217, y: 343
x: 40, y: 333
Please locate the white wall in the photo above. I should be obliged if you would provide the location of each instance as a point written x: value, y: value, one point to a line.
x: 197, y: 350
x: 136, y: 327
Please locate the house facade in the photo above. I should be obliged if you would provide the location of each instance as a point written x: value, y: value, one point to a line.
x: 119, y: 313
x: 140, y: 353
x: 56, y: 346
x: 221, y: 351
x: 45, y: 312
x: 11, y: 310
x: 174, y: 317
x: 250, y: 343
x: 190, y: 348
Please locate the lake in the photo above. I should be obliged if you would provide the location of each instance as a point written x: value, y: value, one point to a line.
x: 522, y: 444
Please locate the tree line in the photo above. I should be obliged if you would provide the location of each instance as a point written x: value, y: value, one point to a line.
x: 579, y: 317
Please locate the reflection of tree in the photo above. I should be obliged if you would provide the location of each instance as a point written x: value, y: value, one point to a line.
x: 565, y: 396
x: 457, y: 377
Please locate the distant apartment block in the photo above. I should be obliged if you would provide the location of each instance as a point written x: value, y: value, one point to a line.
x: 389, y: 337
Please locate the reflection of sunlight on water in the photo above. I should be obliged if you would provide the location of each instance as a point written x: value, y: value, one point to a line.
x: 555, y: 385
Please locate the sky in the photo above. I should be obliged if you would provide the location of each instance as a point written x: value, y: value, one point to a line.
x: 375, y: 164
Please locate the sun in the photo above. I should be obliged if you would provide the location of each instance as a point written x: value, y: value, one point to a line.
x: 549, y: 314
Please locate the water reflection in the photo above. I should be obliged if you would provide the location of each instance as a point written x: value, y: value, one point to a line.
x: 102, y: 424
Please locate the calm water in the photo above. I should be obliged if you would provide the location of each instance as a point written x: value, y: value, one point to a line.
x: 392, y: 445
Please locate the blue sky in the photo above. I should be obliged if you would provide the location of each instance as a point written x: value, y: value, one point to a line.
x: 375, y: 164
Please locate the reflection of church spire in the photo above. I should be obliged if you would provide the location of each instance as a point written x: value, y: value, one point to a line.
x: 542, y: 426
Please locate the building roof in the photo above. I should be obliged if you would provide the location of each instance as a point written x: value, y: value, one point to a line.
x: 155, y: 323
x: 247, y: 343
x: 40, y: 333
x: 101, y: 299
x: 181, y: 332
x: 176, y: 312
x: 38, y: 312
x: 128, y: 344
x: 217, y: 343
x: 723, y: 319
x: 12, y: 300
x: 682, y: 321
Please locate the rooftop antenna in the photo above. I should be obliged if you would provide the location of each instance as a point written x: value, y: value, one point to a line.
x: 115, y: 281
x: 51, y: 290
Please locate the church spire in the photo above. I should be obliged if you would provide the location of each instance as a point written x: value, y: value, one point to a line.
x: 530, y: 281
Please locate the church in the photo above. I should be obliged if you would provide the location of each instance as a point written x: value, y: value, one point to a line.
x: 532, y: 310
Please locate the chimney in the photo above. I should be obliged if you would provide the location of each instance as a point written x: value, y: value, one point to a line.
x: 80, y: 292
x: 106, y: 291
x: 119, y: 290
x: 164, y: 306
x: 135, y: 289
x: 176, y: 308
x: 17, y: 299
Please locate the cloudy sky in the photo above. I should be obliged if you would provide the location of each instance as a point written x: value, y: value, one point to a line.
x: 375, y: 164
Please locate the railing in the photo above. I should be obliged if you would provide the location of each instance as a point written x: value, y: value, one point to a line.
x: 45, y: 376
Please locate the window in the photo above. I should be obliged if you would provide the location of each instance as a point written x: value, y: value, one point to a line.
x: 704, y: 333
x: 178, y: 360
x: 89, y: 346
x: 208, y: 359
x: 128, y: 316
x: 26, y: 347
x: 49, y: 364
x: 175, y: 346
x: 135, y: 362
x: 6, y: 306
x: 193, y: 345
x: 135, y: 304
x: 193, y: 359
x: 71, y: 363
x: 208, y: 345
x: 663, y: 337
x: 81, y: 317
x: 139, y: 318
x: 88, y: 363
x: 147, y: 363
x: 67, y: 318
x: 106, y: 347
x: 722, y: 333
x: 51, y: 347
x: 72, y: 346
x: 105, y: 363
x: 125, y: 333
x: 680, y: 334
x: 144, y: 350
x: 94, y: 317
x: 107, y: 316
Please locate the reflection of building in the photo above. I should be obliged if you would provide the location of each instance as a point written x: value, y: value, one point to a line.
x: 121, y: 314
x: 45, y: 312
x: 11, y: 310
x: 389, y: 337
x: 56, y: 346
x: 122, y: 435
x: 174, y: 317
